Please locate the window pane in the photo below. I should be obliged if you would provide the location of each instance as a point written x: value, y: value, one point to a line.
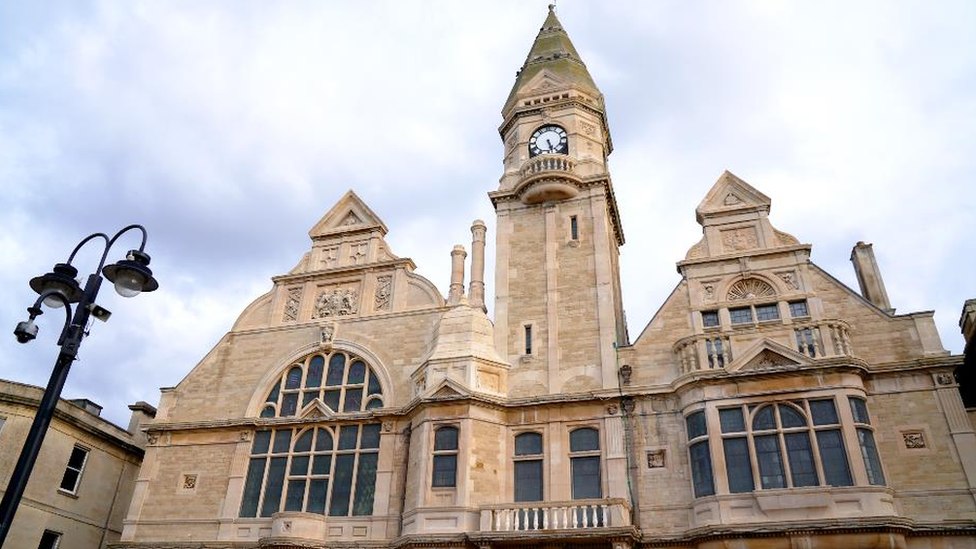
x: 798, y: 308
x: 299, y: 465
x: 696, y: 425
x: 268, y: 411
x: 803, y: 470
x: 741, y: 315
x: 371, y: 436
x: 446, y: 438
x: 859, y: 410
x: 834, y: 458
x: 764, y: 419
x: 323, y: 440
x: 337, y: 369
x: 790, y: 417
x: 354, y: 400
x: 824, y: 412
x: 294, y: 378
x: 304, y: 442
x: 374, y: 403
x: 709, y: 319
x: 308, y: 397
x: 262, y: 439
x: 273, y: 395
x: 282, y: 441
x: 69, y: 481
x: 289, y: 404
x: 583, y: 440
x: 322, y: 464
x: 445, y: 470
x: 317, y: 493
x: 341, y: 485
x: 767, y: 312
x: 315, y: 367
x: 77, y: 458
x: 771, y: 471
x: 273, y: 486
x: 731, y: 420
x: 332, y: 400
x: 49, y: 540
x: 872, y: 462
x: 738, y: 464
x: 528, y: 480
x: 701, y: 470
x: 347, y: 437
x: 252, y: 487
x: 357, y: 372
x: 586, y: 478
x: 528, y: 444
x: 365, y: 485
x: 374, y: 384
x: 296, y: 495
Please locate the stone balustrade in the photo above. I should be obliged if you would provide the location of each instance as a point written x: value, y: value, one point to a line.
x: 548, y: 163
x: 714, y: 350
x: 555, y: 515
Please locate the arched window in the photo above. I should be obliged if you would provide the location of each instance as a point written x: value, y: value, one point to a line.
x: 445, y: 457
x: 342, y: 380
x: 584, y: 451
x: 750, y: 288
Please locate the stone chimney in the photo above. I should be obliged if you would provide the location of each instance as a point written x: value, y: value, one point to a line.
x: 87, y: 405
x: 476, y: 291
x: 142, y: 413
x: 869, y: 276
x: 456, y: 291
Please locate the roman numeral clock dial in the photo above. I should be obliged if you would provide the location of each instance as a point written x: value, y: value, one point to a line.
x: 549, y: 139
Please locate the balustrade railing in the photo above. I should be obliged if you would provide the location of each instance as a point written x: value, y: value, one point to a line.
x: 543, y: 515
x: 549, y: 163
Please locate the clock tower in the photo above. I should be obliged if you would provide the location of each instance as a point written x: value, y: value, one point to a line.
x: 558, y: 311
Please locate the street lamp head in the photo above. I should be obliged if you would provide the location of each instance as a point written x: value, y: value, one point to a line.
x: 131, y: 275
x: 60, y: 279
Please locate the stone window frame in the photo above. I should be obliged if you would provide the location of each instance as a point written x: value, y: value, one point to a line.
x: 46, y: 536
x: 456, y: 452
x: 529, y: 329
x: 598, y: 453
x: 543, y: 457
x: 275, y: 399
x: 73, y: 492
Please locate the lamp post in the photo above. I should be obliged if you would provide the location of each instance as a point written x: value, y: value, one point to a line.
x: 60, y: 289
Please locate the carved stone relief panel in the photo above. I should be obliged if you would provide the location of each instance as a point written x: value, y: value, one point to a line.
x: 588, y: 129
x: 750, y: 288
x: 655, y: 459
x: 384, y: 293
x: 708, y: 290
x: 330, y: 257
x: 790, y: 279
x: 731, y: 200
x: 335, y: 301
x: 357, y: 252
x: 914, y: 440
x: 351, y: 219
x: 292, y: 303
x: 738, y: 240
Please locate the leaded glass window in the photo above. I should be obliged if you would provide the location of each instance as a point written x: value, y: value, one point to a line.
x: 445, y: 457
x: 312, y: 469
x: 340, y: 380
x: 700, y: 456
x: 865, y: 439
x: 528, y: 467
x: 767, y: 312
x: 584, y: 458
x: 742, y: 315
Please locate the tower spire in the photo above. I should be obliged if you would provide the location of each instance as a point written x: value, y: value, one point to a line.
x: 553, y: 52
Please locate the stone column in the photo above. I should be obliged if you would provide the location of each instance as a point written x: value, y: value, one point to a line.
x: 457, y: 275
x: 476, y: 289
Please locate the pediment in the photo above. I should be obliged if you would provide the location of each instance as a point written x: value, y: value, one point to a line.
x: 542, y: 81
x: 447, y: 388
x: 316, y: 410
x: 349, y: 214
x: 767, y: 355
x: 730, y: 194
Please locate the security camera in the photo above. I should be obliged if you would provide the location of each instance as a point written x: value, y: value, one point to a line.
x: 25, y: 331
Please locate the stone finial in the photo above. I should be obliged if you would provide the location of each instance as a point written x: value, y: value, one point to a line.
x: 456, y: 291
x: 869, y: 276
x: 476, y: 288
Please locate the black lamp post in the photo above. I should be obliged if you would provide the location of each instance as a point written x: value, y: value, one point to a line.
x: 60, y: 289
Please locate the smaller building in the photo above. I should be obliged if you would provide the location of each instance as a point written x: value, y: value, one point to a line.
x: 82, y: 481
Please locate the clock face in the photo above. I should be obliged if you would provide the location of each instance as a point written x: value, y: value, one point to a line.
x: 548, y: 140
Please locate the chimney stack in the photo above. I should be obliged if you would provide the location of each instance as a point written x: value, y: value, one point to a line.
x: 869, y: 276
x: 456, y: 291
x: 476, y: 289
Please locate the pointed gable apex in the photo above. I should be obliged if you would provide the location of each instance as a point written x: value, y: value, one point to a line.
x: 446, y: 389
x: 731, y: 195
x: 316, y: 410
x: 350, y: 214
x: 767, y: 355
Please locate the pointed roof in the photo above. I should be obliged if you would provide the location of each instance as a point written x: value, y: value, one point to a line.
x: 730, y: 194
x: 350, y: 214
x: 552, y: 53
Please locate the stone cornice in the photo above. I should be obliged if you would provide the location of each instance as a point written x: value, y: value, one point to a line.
x: 348, y: 269
x: 736, y: 255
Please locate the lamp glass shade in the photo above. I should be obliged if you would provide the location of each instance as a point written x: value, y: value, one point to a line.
x: 129, y: 282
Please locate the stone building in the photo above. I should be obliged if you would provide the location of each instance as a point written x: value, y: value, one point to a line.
x: 766, y: 404
x: 79, y: 491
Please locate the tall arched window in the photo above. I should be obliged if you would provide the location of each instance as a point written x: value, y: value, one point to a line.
x: 584, y: 458
x: 348, y: 384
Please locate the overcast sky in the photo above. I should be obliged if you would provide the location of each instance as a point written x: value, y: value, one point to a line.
x: 229, y: 128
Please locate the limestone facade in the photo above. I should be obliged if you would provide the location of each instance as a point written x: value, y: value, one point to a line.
x: 766, y: 404
x: 82, y: 482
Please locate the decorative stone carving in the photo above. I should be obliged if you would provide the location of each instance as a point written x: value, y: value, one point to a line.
x: 546, y: 114
x: 626, y: 371
x: 338, y: 302
x: 741, y: 239
x: 327, y: 334
x: 612, y: 410
x: 512, y: 139
x: 789, y: 278
x: 351, y: 219
x: 708, y: 290
x: 588, y: 129
x: 785, y: 239
x: 388, y: 426
x: 945, y: 378
x: 384, y: 291
x: 189, y: 482
x: 913, y: 439
x: 698, y: 250
x: 357, y: 252
x: 330, y: 257
x: 731, y: 200
x: 750, y: 288
x: 655, y: 459
x: 292, y: 304
x: 244, y: 436
x: 152, y: 438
